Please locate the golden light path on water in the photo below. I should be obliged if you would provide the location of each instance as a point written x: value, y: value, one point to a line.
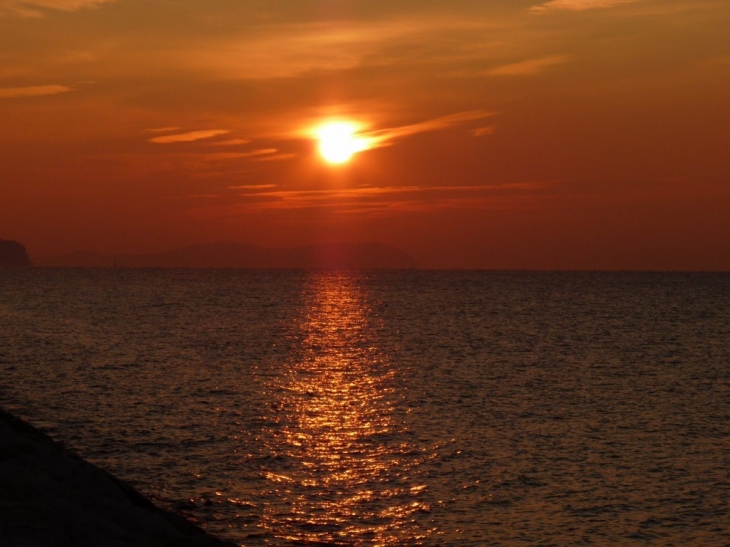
x: 342, y: 474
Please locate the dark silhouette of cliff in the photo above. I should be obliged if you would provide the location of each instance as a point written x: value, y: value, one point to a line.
x: 13, y: 254
x: 352, y: 256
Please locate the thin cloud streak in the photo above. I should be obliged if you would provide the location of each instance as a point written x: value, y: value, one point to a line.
x: 252, y: 187
x: 33, y: 91
x: 217, y: 156
x: 161, y: 129
x: 231, y: 142
x: 367, y: 201
x: 298, y: 199
x: 382, y: 137
x: 189, y: 137
x: 204, y: 157
x: 578, y: 5
x: 484, y: 131
x: 390, y: 200
x: 33, y: 8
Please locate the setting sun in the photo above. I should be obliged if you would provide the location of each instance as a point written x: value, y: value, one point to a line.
x: 338, y: 141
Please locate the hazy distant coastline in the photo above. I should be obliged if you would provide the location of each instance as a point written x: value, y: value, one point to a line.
x: 238, y: 255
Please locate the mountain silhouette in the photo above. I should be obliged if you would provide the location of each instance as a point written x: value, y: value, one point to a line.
x: 13, y: 254
x: 237, y: 255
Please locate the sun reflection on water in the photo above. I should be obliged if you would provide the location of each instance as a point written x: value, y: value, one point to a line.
x: 340, y: 468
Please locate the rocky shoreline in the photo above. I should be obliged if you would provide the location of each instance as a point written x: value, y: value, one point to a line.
x: 50, y: 497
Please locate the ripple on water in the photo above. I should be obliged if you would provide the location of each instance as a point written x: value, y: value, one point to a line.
x: 392, y: 408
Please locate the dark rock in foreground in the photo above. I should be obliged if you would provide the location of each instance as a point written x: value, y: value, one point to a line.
x: 13, y: 254
x: 50, y: 497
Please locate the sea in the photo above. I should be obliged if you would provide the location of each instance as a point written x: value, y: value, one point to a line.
x: 389, y: 408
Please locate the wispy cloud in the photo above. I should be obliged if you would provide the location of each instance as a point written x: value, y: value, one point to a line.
x: 33, y: 8
x: 32, y: 91
x: 189, y: 136
x: 230, y: 142
x: 383, y: 137
x: 193, y: 196
x: 484, y: 131
x: 277, y: 156
x: 577, y: 5
x: 529, y: 67
x: 287, y: 50
x: 254, y: 187
x: 292, y: 49
x: 387, y: 200
x: 161, y: 130
x: 201, y: 162
x: 218, y: 156
x: 373, y: 198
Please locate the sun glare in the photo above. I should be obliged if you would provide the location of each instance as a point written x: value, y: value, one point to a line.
x: 339, y: 141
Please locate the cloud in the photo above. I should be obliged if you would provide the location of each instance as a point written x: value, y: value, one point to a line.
x: 194, y: 196
x: 384, y: 198
x: 383, y: 137
x: 287, y: 50
x: 161, y: 130
x: 529, y: 67
x: 373, y: 201
x: 188, y: 137
x: 218, y: 156
x: 203, y: 162
x: 293, y: 49
x: 231, y: 142
x: 32, y: 91
x: 278, y: 156
x: 484, y: 131
x: 577, y: 5
x: 30, y: 8
x: 253, y: 187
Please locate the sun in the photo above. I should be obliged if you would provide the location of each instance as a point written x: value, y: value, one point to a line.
x: 339, y: 141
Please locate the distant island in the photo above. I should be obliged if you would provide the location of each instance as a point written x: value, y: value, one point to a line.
x: 13, y: 254
x: 356, y: 256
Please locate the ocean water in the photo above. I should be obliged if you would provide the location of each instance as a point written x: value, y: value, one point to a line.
x: 282, y: 408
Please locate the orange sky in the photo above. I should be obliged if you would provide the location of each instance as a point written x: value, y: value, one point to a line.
x: 570, y: 134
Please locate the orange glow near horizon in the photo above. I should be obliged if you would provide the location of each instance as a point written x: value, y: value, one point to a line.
x: 546, y: 134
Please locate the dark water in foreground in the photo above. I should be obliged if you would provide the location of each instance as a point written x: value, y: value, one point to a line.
x: 394, y: 408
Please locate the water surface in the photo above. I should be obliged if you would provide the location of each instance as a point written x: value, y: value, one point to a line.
x: 389, y: 408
